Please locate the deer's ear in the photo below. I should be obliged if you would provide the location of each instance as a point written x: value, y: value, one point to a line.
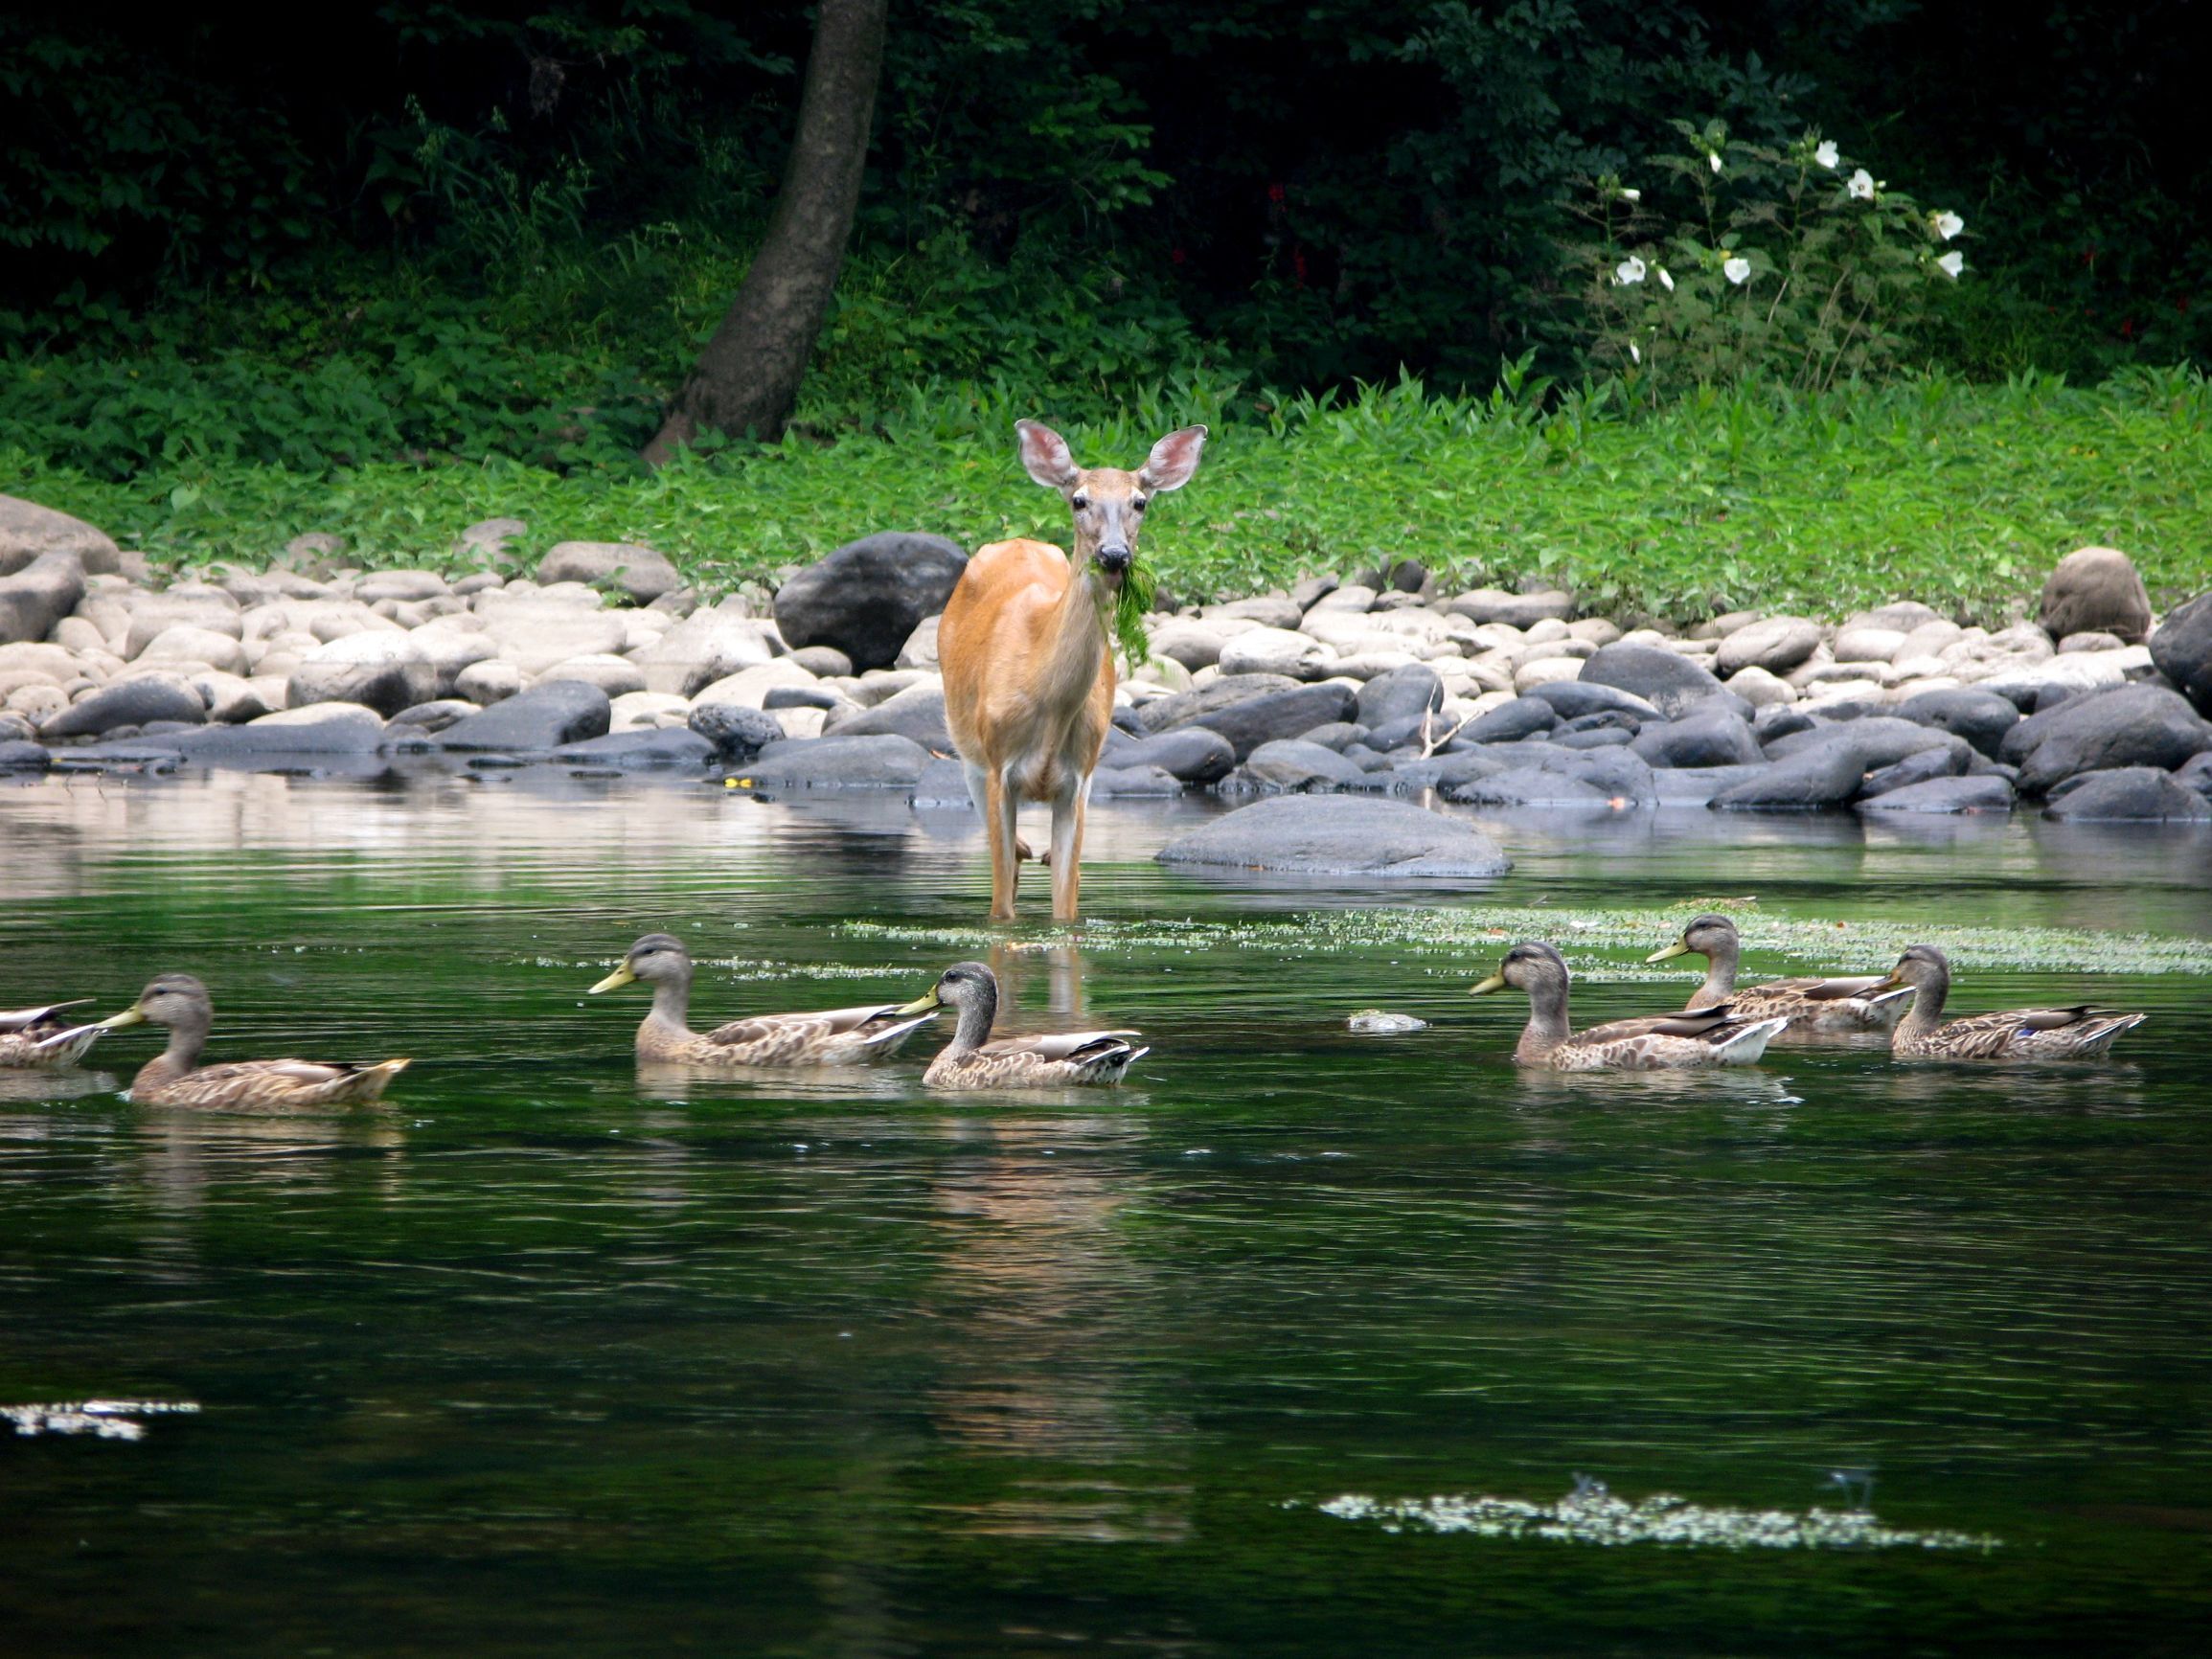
x: 1044, y: 454
x: 1173, y: 459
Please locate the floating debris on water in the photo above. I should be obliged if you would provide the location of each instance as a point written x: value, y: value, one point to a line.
x: 103, y: 1418
x: 1378, y: 1022
x: 1590, y: 1514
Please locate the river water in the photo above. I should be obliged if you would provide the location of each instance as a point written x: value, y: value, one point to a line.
x: 1300, y: 1343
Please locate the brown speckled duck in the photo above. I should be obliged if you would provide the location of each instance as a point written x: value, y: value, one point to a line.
x: 2020, y: 1033
x: 1713, y: 1037
x: 827, y: 1038
x: 970, y: 1061
x: 1816, y: 1008
x: 176, y: 1078
x: 40, y: 1037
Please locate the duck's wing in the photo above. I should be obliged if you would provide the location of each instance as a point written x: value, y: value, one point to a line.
x: 1072, y: 1045
x: 1683, y: 1023
x: 817, y: 1023
x: 24, y: 1018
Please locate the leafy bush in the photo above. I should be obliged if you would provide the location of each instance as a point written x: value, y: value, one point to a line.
x: 1787, y: 265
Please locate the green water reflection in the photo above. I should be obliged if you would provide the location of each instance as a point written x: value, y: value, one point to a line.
x: 548, y: 1356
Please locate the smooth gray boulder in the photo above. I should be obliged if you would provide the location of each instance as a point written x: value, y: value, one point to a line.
x: 384, y: 671
x: 40, y: 594
x: 918, y: 713
x: 1520, y: 610
x: 1776, y: 644
x: 1164, y: 714
x: 1440, y: 771
x: 1396, y: 694
x: 1668, y: 682
x: 1706, y: 737
x: 1129, y: 782
x: 132, y: 702
x: 21, y: 755
x: 1697, y: 786
x: 663, y: 747
x: 1342, y: 835
x: 708, y: 646
x: 1874, y: 741
x: 1191, y: 754
x: 737, y: 731
x: 2181, y: 649
x: 1819, y: 779
x: 1272, y: 714
x: 1915, y: 769
x: 639, y: 572
x: 1981, y: 718
x: 870, y: 595
x: 545, y: 717
x: 1507, y: 724
x: 1986, y: 792
x: 1572, y: 700
x: 2196, y: 773
x: 885, y: 762
x: 402, y: 586
x: 1527, y: 787
x: 1292, y: 763
x: 30, y: 532
x: 943, y: 787
x: 2126, y: 792
x: 2096, y: 589
x: 2138, y: 725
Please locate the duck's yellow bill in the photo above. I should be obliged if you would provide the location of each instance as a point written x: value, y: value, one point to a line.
x: 615, y: 980
x: 921, y: 1004
x: 1677, y: 948
x: 1495, y: 981
x: 131, y: 1016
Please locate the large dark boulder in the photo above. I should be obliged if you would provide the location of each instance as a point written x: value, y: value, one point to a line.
x: 2096, y: 589
x: 1507, y: 723
x: 1129, y: 782
x: 918, y: 713
x: 1440, y: 771
x: 1572, y: 700
x: 1668, y: 682
x: 1916, y: 769
x: 2197, y: 774
x: 1398, y: 694
x: 736, y: 731
x: 2183, y: 651
x: 1987, y: 792
x: 39, y: 595
x: 1191, y: 754
x: 131, y: 702
x: 2138, y: 725
x: 1981, y: 718
x: 1548, y: 775
x: 1342, y: 835
x: 1874, y: 741
x: 638, y: 751
x: 30, y: 532
x: 2128, y: 792
x: 1274, y: 715
x: 545, y: 717
x: 1708, y: 736
x: 1528, y: 786
x: 1819, y: 779
x: 20, y: 755
x: 867, y: 597
x: 885, y: 761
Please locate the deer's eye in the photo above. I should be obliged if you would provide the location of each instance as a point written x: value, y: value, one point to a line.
x: 1079, y: 502
x: 1137, y: 503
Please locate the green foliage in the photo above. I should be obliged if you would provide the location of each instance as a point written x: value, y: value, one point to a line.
x: 1791, y: 265
x: 1957, y: 495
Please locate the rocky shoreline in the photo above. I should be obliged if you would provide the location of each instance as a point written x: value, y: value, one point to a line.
x: 605, y: 660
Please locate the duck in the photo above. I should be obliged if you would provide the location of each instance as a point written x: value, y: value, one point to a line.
x: 40, y: 1037
x: 1818, y: 1008
x: 176, y: 1078
x: 971, y: 1062
x: 826, y: 1037
x: 2025, y: 1033
x: 1711, y: 1037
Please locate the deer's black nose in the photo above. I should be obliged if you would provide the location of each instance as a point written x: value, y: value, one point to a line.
x: 1113, y: 561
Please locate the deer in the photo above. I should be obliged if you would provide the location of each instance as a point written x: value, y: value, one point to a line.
x: 1024, y: 646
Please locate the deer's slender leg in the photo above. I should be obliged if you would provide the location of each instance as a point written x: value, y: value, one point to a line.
x: 1069, y: 810
x: 998, y: 804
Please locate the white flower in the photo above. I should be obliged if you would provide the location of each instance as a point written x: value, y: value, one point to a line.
x: 1715, y: 159
x: 1951, y: 264
x: 1666, y: 281
x: 1628, y: 272
x: 1635, y: 355
x: 1632, y: 195
x: 1827, y: 154
x: 1947, y: 225
x: 1862, y: 185
x: 1737, y: 271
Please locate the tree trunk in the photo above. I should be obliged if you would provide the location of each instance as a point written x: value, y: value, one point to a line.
x: 748, y: 378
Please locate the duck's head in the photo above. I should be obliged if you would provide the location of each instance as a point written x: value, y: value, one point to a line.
x: 962, y: 985
x: 1706, y: 935
x: 655, y: 958
x: 1922, y: 964
x: 174, y: 999
x: 1531, y: 965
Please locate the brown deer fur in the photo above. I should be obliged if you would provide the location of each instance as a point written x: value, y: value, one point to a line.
x: 1029, y: 674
